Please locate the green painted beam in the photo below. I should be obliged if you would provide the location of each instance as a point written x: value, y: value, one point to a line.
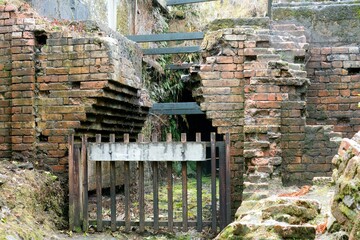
x: 179, y: 66
x: 167, y: 37
x: 181, y: 2
x: 171, y: 50
x: 182, y: 108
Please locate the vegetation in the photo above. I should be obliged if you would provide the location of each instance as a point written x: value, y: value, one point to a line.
x: 29, y: 198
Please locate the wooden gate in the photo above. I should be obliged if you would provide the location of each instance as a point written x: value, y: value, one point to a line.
x: 154, y: 152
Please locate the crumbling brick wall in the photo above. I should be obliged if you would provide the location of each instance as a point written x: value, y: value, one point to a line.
x: 254, y: 86
x: 56, y: 83
x: 334, y: 93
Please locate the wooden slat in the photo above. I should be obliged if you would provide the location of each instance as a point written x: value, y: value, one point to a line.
x: 182, y: 2
x: 183, y: 108
x: 222, y: 187
x: 141, y: 190
x: 127, y: 189
x: 269, y: 13
x: 179, y: 36
x: 228, y: 181
x: 77, y: 196
x: 71, y: 183
x: 171, y: 50
x: 199, y: 190
x: 213, y: 180
x: 184, y: 190
x: 98, y: 171
x: 155, y: 166
x: 112, y: 189
x: 85, y: 191
x: 170, y: 190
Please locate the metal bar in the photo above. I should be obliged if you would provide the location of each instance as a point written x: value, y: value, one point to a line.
x: 222, y: 187
x: 184, y: 190
x: 155, y: 166
x: 181, y: 2
x: 176, y: 108
x: 106, y: 223
x: 213, y: 180
x: 127, y: 188
x: 77, y: 195
x: 99, y: 226
x: 167, y: 37
x: 171, y: 50
x: 179, y: 66
x: 85, y: 191
x: 199, y: 190
x: 112, y: 189
x: 170, y: 190
x: 228, y: 181
x: 71, y: 182
x: 141, y: 191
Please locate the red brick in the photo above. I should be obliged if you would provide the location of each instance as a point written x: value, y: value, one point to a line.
x: 227, y: 75
x: 224, y: 59
x: 57, y: 71
x: 93, y: 85
x: 58, y: 168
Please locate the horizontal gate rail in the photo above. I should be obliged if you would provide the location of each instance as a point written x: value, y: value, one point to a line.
x: 182, y: 2
x: 81, y: 154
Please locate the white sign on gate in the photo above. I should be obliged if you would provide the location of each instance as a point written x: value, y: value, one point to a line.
x: 154, y: 151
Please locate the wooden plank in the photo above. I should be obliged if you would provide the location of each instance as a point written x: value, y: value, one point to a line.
x: 127, y: 189
x: 170, y: 190
x: 269, y: 13
x: 154, y: 151
x: 141, y: 191
x: 184, y: 189
x: 171, y: 50
x: 112, y: 190
x: 222, y: 187
x: 98, y: 171
x: 71, y: 183
x: 155, y: 167
x: 228, y: 181
x: 213, y: 180
x: 106, y: 223
x: 77, y: 195
x: 199, y: 190
x: 85, y: 191
x: 182, y: 2
x: 182, y: 66
x: 178, y: 36
x: 183, y: 108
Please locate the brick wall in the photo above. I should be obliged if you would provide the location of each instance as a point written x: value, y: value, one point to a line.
x: 254, y: 86
x: 56, y: 83
x: 334, y: 93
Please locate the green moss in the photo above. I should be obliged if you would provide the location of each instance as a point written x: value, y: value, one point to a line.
x: 347, y: 211
x: 221, y: 24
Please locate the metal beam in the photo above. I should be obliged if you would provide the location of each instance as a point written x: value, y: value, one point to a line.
x: 171, y: 50
x: 183, y: 108
x: 167, y: 37
x: 181, y: 2
x: 179, y: 66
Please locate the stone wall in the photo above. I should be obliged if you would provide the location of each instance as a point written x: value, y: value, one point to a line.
x: 56, y: 83
x: 334, y: 93
x: 346, y: 203
x: 125, y: 16
x: 327, y: 23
